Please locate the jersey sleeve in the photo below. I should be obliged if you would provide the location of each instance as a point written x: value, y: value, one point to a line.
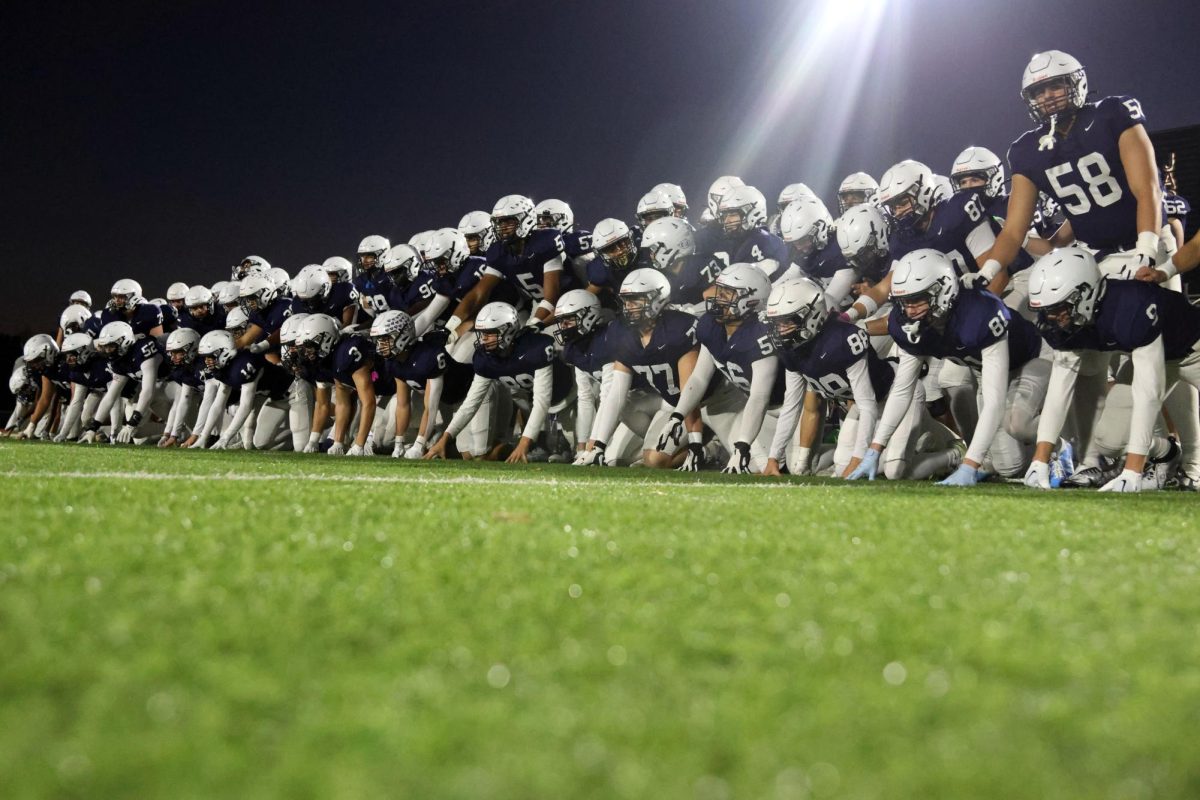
x: 1121, y: 113
x: 985, y: 323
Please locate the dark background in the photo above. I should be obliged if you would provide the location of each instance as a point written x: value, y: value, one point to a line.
x: 165, y: 141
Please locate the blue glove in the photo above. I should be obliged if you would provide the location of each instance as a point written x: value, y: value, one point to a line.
x: 963, y: 476
x: 867, y: 467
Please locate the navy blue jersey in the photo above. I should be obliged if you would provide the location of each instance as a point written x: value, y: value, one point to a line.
x: 577, y: 242
x: 93, y: 325
x: 350, y: 355
x: 735, y: 355
x: 456, y: 285
x: 978, y: 320
x: 951, y: 222
x: 94, y: 374
x: 824, y: 360
x: 213, y: 321
x: 340, y: 296
x: 1084, y: 173
x: 192, y: 374
x: 130, y: 364
x: 530, y: 352
x: 822, y: 264
x: 656, y: 363
x: 1176, y: 207
x: 1132, y: 314
x: 523, y: 266
x: 273, y: 380
x: 272, y: 318
x: 428, y: 359
x: 170, y: 317
x: 590, y: 353
x: 57, y: 373
x: 759, y: 245
x: 146, y: 317
x: 375, y: 289
x: 690, y: 276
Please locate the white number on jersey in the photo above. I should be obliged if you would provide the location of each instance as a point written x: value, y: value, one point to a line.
x: 648, y: 372
x: 1101, y: 184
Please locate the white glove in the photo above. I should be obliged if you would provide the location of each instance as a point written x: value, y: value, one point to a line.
x: 694, y: 458
x: 368, y: 449
x: 26, y: 432
x: 221, y: 444
x: 1038, y: 475
x: 88, y: 437
x: 312, y: 447
x: 60, y: 437
x: 198, y: 444
x: 125, y: 435
x: 1128, y: 481
x: 1146, y: 249
x: 590, y: 458
x: 739, y: 461
x: 415, y: 451
x: 336, y: 449
x: 355, y: 450
x: 398, y: 448
x: 672, y: 436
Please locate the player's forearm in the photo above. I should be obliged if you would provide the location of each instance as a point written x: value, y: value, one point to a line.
x: 1060, y: 393
x: 433, y: 400
x: 216, y: 410
x: 868, y: 407
x: 149, y: 376
x: 245, y: 406
x: 585, y: 405
x: 612, y: 403
x: 115, y: 387
x: 839, y: 287
x: 898, y: 400
x: 539, y: 406
x: 993, y: 389
x: 429, y: 315
x: 762, y: 381
x: 697, y: 383
x: 480, y: 386
x: 366, y: 415
x: 789, y: 415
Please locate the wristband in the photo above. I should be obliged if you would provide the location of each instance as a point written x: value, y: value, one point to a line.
x: 1147, y: 246
x: 851, y: 314
x: 421, y: 441
x: 135, y: 419
x: 314, y: 437
x: 695, y: 437
x: 990, y: 269
x: 546, y: 305
x: 453, y: 323
x: 1168, y: 268
x: 869, y: 305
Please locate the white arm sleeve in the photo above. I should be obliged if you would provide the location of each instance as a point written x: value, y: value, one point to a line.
x: 433, y: 399
x: 899, y: 398
x: 768, y: 266
x: 1149, y: 385
x: 612, y: 401
x: 423, y: 321
x: 79, y: 393
x: 216, y: 409
x: 245, y: 406
x: 789, y: 415
x: 149, y: 376
x: 470, y: 404
x: 543, y: 386
x: 792, y: 272
x: 980, y: 240
x: 1060, y: 393
x: 839, y: 287
x: 993, y: 388
x: 585, y: 410
x: 554, y: 265
x: 868, y: 408
x: 18, y: 414
x: 762, y: 381
x: 115, y: 387
x: 697, y: 383
x: 210, y: 389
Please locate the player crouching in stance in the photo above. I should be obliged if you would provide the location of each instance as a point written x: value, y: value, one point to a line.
x: 1082, y: 316
x: 934, y: 318
x: 524, y: 362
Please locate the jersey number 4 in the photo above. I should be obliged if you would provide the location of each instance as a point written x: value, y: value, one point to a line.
x: 1101, y: 185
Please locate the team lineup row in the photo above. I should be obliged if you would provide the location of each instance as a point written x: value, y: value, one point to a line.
x: 950, y: 327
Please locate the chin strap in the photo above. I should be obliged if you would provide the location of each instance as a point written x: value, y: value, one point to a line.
x: 1047, y: 142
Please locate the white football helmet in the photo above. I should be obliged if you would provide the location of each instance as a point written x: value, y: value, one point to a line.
x: 176, y: 293
x: 126, y: 295
x: 719, y: 188
x: 281, y: 279
x: 216, y: 288
x: 1065, y: 280
x: 925, y: 274
x: 805, y: 225
x: 251, y: 265
x: 393, y: 333
x: 230, y: 292
x: 237, y: 320
x: 477, y: 227
x: 512, y: 217
x: 675, y: 192
x: 196, y: 297
x: 796, y: 311
x: 447, y: 250
x: 496, y: 328
x: 1045, y: 68
x: 906, y: 192
x: 288, y: 331
x: 311, y: 286
x: 654, y: 205
x: 115, y: 339
x: 402, y: 262
x: 370, y: 250
x: 981, y: 164
x: 554, y: 214
x: 613, y: 242
x: 749, y: 206
x: 856, y: 188
x: 577, y: 313
x: 182, y: 345
x: 40, y: 351
x: 82, y: 298
x: 217, y: 349
x: 78, y: 349
x: 667, y: 240
x: 942, y: 188
x: 256, y: 293
x: 317, y: 336
x: 73, y: 318
x: 791, y: 193
x: 339, y: 268
x: 644, y: 294
x: 742, y: 290
x: 862, y: 237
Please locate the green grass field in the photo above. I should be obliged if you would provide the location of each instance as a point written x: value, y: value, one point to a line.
x: 244, y: 624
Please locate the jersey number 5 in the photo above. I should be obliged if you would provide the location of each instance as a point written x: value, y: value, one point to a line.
x: 1101, y: 184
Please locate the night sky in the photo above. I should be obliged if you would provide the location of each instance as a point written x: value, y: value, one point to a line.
x: 165, y: 141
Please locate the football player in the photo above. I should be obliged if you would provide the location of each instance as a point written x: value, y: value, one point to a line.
x: 669, y: 245
x: 44, y: 367
x: 186, y: 371
x: 451, y: 273
x: 372, y: 282
x: 200, y: 311
x: 806, y: 227
x: 616, y: 249
x: 89, y: 378
x: 742, y: 214
x: 266, y: 310
x: 855, y: 189
x: 678, y: 199
x: 133, y: 361
x: 477, y: 227
x: 347, y: 364
x: 128, y: 305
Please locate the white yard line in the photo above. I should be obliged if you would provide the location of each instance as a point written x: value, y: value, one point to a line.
x: 427, y: 480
